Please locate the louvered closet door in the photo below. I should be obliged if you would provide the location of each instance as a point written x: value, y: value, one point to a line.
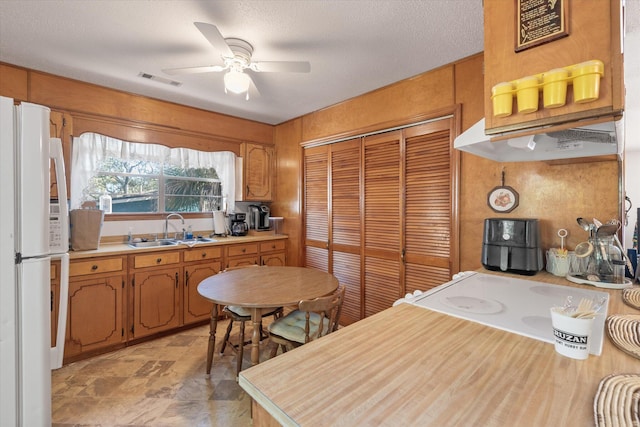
x: 382, y: 220
x: 345, y: 226
x: 428, y: 204
x: 316, y: 202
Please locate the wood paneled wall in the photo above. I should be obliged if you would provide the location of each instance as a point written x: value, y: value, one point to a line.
x: 384, y: 107
x: 555, y: 194
x: 288, y: 186
x: 105, y: 107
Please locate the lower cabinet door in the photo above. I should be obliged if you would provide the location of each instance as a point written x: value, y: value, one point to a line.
x: 95, y: 314
x: 274, y: 260
x: 197, y: 308
x: 156, y: 301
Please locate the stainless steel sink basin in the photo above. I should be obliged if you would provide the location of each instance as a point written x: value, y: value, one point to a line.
x: 198, y: 239
x: 154, y: 243
x: 170, y: 242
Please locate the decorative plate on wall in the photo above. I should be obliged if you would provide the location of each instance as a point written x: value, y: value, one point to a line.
x: 503, y: 199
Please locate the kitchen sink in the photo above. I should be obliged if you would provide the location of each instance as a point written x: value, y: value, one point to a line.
x: 153, y: 243
x: 170, y: 242
x: 197, y: 239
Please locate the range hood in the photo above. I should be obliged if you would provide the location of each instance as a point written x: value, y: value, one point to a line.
x: 544, y: 143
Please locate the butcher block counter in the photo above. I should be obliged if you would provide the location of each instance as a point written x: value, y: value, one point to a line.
x: 408, y: 365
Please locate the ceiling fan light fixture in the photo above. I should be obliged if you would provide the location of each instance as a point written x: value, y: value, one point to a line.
x: 236, y: 81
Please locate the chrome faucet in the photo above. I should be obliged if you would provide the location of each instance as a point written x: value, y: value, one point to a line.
x: 166, y: 223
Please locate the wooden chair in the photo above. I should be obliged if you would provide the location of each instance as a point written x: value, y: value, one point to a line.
x: 243, y: 315
x: 312, y: 320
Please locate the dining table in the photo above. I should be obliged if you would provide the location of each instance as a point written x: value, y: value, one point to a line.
x: 261, y: 287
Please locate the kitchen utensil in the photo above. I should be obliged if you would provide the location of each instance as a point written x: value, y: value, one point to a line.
x: 583, y: 249
x: 584, y: 309
x: 584, y: 224
x: 607, y: 230
x: 624, y: 255
x: 596, y: 222
x: 562, y: 233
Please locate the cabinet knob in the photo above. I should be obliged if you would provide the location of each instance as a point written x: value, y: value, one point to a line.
x: 244, y: 250
x: 204, y: 254
x: 159, y: 260
x: 94, y: 267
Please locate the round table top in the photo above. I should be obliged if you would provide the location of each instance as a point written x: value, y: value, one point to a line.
x: 266, y: 286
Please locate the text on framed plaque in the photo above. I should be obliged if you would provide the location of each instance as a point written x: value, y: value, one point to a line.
x: 540, y: 21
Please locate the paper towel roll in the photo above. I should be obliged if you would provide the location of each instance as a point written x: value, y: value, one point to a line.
x: 219, y: 226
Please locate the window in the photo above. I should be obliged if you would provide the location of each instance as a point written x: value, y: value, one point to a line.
x: 149, y: 178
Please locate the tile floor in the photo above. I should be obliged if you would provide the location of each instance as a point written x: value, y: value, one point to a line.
x: 156, y: 383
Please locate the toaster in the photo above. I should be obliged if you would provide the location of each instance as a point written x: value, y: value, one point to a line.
x: 512, y: 245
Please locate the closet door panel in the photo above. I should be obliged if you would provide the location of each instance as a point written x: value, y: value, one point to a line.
x: 382, y: 220
x: 345, y: 193
x: 345, y: 226
x: 346, y: 268
x: 428, y: 210
x: 381, y: 277
x: 316, y: 207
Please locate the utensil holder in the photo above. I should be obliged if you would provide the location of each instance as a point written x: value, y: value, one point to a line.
x: 557, y: 264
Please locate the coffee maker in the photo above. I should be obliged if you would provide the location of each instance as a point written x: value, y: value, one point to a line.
x: 238, y: 224
x: 259, y: 217
x: 512, y: 245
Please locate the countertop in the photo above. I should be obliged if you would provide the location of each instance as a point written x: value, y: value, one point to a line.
x: 106, y: 249
x: 411, y: 366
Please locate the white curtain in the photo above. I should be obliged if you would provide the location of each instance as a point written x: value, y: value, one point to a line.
x: 90, y: 149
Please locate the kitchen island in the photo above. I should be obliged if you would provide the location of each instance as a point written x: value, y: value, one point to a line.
x: 411, y: 366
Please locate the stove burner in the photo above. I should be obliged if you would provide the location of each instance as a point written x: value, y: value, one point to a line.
x: 539, y: 323
x: 548, y: 291
x: 473, y: 305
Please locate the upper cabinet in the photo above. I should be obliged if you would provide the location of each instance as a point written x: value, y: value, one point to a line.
x: 256, y: 179
x: 535, y: 38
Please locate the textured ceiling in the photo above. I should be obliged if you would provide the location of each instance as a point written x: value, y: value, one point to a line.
x: 354, y: 46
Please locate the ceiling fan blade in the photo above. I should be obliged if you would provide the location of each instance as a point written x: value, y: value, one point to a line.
x: 253, y: 90
x: 212, y: 34
x: 194, y: 70
x: 281, y: 66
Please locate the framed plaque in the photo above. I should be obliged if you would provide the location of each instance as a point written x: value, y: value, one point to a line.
x: 540, y: 21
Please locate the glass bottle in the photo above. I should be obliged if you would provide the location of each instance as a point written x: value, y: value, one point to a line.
x: 105, y: 203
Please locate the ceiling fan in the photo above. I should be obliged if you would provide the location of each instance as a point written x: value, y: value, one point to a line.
x: 236, y: 57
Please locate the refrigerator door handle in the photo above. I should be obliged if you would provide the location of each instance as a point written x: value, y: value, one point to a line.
x: 57, y: 352
x: 56, y: 154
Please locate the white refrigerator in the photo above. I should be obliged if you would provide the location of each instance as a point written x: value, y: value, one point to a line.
x: 33, y: 231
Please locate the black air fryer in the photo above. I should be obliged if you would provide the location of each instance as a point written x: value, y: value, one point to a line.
x: 512, y: 245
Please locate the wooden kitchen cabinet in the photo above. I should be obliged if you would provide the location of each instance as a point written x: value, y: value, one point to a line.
x: 241, y: 255
x: 114, y: 300
x: 593, y: 34
x: 257, y: 171
x: 273, y: 253
x: 199, y: 263
x: 96, y: 306
x: 156, y: 280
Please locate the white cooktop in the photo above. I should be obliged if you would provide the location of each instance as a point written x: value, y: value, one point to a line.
x: 519, y: 306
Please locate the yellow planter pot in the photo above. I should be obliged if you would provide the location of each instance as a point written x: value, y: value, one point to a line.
x: 554, y: 91
x: 527, y: 94
x: 586, y: 81
x: 502, y: 96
